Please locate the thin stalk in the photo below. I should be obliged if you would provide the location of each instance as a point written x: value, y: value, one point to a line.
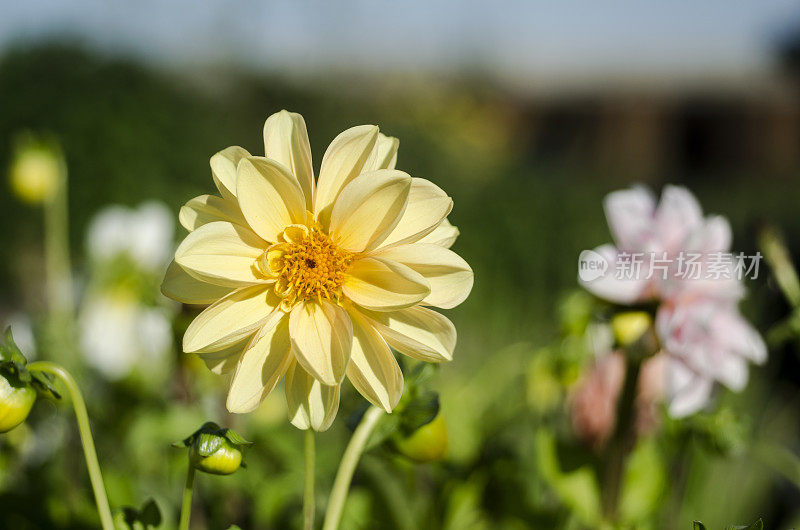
x: 622, y: 440
x: 395, y: 499
x: 57, y: 258
x: 186, y: 505
x: 60, y: 326
x: 341, y: 484
x: 308, y: 495
x: 777, y: 256
x: 87, y: 441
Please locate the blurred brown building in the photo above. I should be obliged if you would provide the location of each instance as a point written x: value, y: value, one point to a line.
x: 748, y: 126
x: 651, y: 128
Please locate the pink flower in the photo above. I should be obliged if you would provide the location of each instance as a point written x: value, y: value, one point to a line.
x: 655, y: 247
x: 704, y: 338
x: 706, y: 341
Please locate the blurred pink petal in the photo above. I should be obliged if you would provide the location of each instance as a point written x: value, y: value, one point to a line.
x: 630, y: 217
x: 708, y: 341
x: 713, y: 235
x: 679, y: 251
x: 687, y: 391
x: 612, y: 288
x: 677, y: 216
x: 739, y: 336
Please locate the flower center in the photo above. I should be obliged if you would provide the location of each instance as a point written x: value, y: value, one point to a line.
x: 308, y: 265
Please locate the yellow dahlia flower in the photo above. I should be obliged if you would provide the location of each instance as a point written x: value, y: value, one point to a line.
x: 314, y: 280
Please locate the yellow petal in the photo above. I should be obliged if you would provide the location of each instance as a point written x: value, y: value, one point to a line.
x: 322, y: 336
x: 295, y: 233
x: 418, y: 332
x: 286, y: 141
x: 343, y: 161
x: 224, y: 361
x: 384, y: 285
x: 185, y: 288
x: 231, y: 319
x: 427, y: 206
x: 443, y: 235
x: 223, y: 170
x: 311, y: 404
x: 207, y: 209
x: 369, y: 208
x: 260, y: 367
x: 449, y: 276
x: 270, y: 198
x: 384, y: 154
x: 221, y: 253
x: 373, y: 370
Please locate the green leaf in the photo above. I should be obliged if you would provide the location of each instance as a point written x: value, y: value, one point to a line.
x: 208, y: 443
x: 421, y: 374
x: 145, y: 518
x: 11, y: 350
x: 209, y: 426
x: 44, y: 384
x: 206, y: 428
x: 645, y: 482
x: 758, y: 525
x: 150, y: 513
x: 235, y: 438
x: 577, y: 490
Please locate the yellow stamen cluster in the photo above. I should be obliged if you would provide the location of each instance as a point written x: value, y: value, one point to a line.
x: 308, y: 266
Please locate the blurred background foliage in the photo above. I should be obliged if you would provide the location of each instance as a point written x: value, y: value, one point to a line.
x: 527, y: 175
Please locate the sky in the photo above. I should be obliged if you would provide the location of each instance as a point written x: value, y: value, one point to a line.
x: 511, y: 39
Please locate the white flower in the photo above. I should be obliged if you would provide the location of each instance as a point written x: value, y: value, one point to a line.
x: 118, y: 329
x: 144, y: 234
x: 118, y: 333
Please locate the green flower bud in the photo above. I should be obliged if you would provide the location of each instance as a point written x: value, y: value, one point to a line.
x: 223, y: 461
x: 18, y: 385
x: 36, y: 171
x: 16, y: 400
x: 429, y: 443
x: 215, y: 450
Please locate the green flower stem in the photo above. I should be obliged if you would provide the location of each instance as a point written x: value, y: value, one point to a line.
x: 60, y: 324
x: 186, y: 505
x: 57, y: 259
x: 308, y: 495
x: 622, y: 440
x: 341, y: 485
x: 86, y: 437
x: 391, y: 491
